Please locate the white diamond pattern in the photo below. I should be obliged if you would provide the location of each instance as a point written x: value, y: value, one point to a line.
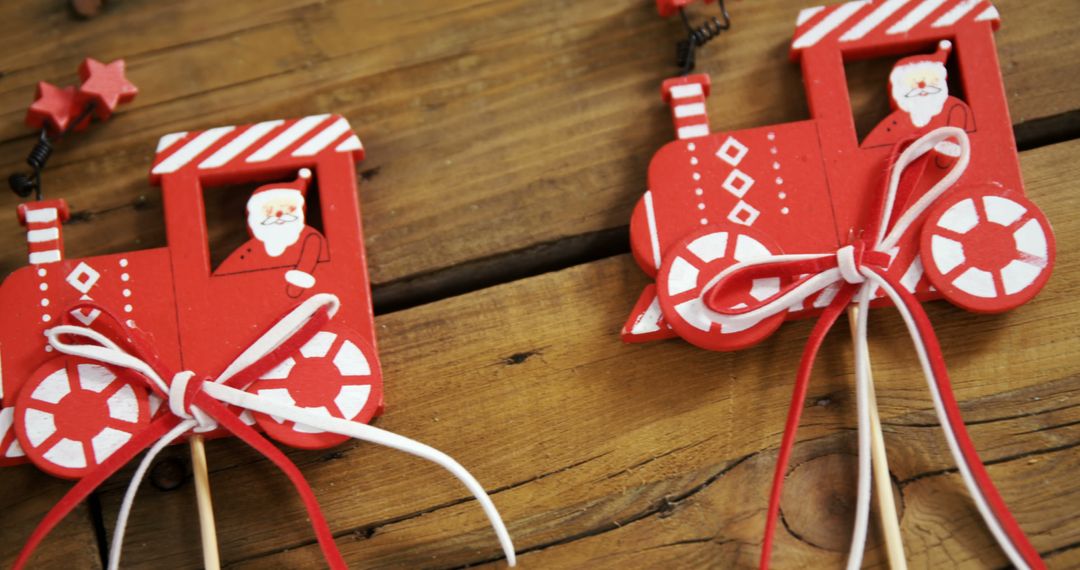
x: 738, y: 183
x: 732, y: 151
x: 83, y: 278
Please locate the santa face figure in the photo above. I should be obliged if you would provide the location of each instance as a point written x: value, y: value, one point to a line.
x: 920, y: 90
x: 276, y: 218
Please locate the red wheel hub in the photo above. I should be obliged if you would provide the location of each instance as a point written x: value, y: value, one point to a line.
x: 997, y: 250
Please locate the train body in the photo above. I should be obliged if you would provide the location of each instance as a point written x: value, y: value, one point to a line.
x: 716, y: 198
x: 198, y: 317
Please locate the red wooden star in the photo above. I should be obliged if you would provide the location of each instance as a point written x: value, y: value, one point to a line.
x: 53, y: 108
x: 105, y: 85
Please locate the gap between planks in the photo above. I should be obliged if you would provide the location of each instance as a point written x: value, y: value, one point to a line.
x: 570, y: 251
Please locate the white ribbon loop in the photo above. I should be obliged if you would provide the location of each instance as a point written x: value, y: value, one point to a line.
x: 849, y: 269
x: 179, y: 407
x: 105, y: 350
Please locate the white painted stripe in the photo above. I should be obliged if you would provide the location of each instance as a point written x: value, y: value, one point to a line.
x: 654, y: 238
x: 835, y: 18
x: 351, y: 143
x: 916, y: 15
x: 957, y: 12
x: 240, y: 144
x: 191, y: 150
x: 47, y: 234
x: 806, y: 13
x: 693, y: 131
x: 168, y: 140
x: 40, y: 215
x: 291, y: 134
x: 990, y: 13
x: 689, y: 110
x: 684, y: 91
x: 867, y: 24
x: 37, y: 257
x: 320, y: 141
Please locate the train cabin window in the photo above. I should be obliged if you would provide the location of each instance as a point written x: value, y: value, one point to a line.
x: 228, y: 219
x: 877, y: 123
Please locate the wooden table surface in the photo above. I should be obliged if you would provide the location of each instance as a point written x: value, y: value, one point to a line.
x: 507, y: 143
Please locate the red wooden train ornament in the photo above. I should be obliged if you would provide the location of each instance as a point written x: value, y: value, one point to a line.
x: 717, y: 198
x: 742, y: 230
x: 107, y: 356
x: 67, y: 416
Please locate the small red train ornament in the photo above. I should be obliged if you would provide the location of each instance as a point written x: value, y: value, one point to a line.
x: 742, y: 230
x: 67, y: 416
x: 717, y: 198
x: 99, y: 354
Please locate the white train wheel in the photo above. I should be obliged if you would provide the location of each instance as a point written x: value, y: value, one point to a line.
x: 691, y: 264
x: 987, y: 249
x: 335, y: 373
x: 72, y: 415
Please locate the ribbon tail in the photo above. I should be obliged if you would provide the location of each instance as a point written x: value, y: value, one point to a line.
x: 991, y: 506
x: 231, y: 422
x: 117, y: 545
x: 373, y: 435
x: 91, y: 481
x: 798, y: 398
x: 862, y: 399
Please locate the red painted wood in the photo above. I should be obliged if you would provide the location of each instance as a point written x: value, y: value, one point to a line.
x: 668, y: 7
x: 105, y: 85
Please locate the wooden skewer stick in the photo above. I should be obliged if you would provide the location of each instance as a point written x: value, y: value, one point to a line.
x: 890, y: 520
x: 207, y: 529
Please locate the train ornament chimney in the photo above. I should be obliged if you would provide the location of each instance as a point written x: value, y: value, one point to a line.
x: 42, y: 220
x: 686, y: 96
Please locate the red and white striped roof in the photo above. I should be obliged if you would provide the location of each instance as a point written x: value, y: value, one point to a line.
x: 863, y: 24
x: 270, y: 142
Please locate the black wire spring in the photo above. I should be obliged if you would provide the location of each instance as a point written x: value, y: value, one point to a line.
x: 25, y: 184
x: 41, y: 152
x: 696, y: 37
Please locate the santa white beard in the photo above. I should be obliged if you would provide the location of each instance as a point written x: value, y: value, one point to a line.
x: 920, y: 103
x: 273, y: 222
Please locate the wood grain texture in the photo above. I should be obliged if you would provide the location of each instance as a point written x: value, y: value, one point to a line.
x: 26, y: 494
x: 493, y: 127
x: 516, y: 132
x: 606, y: 455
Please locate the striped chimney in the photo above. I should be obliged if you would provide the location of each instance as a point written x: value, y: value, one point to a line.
x: 686, y: 96
x: 43, y: 236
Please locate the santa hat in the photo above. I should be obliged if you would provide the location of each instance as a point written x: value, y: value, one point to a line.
x: 292, y: 190
x: 939, y: 56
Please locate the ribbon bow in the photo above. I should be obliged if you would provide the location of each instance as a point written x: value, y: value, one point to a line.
x: 859, y: 270
x: 200, y: 404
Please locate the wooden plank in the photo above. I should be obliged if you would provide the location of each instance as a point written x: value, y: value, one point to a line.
x: 607, y: 454
x: 26, y: 495
x: 522, y: 122
x: 716, y: 521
